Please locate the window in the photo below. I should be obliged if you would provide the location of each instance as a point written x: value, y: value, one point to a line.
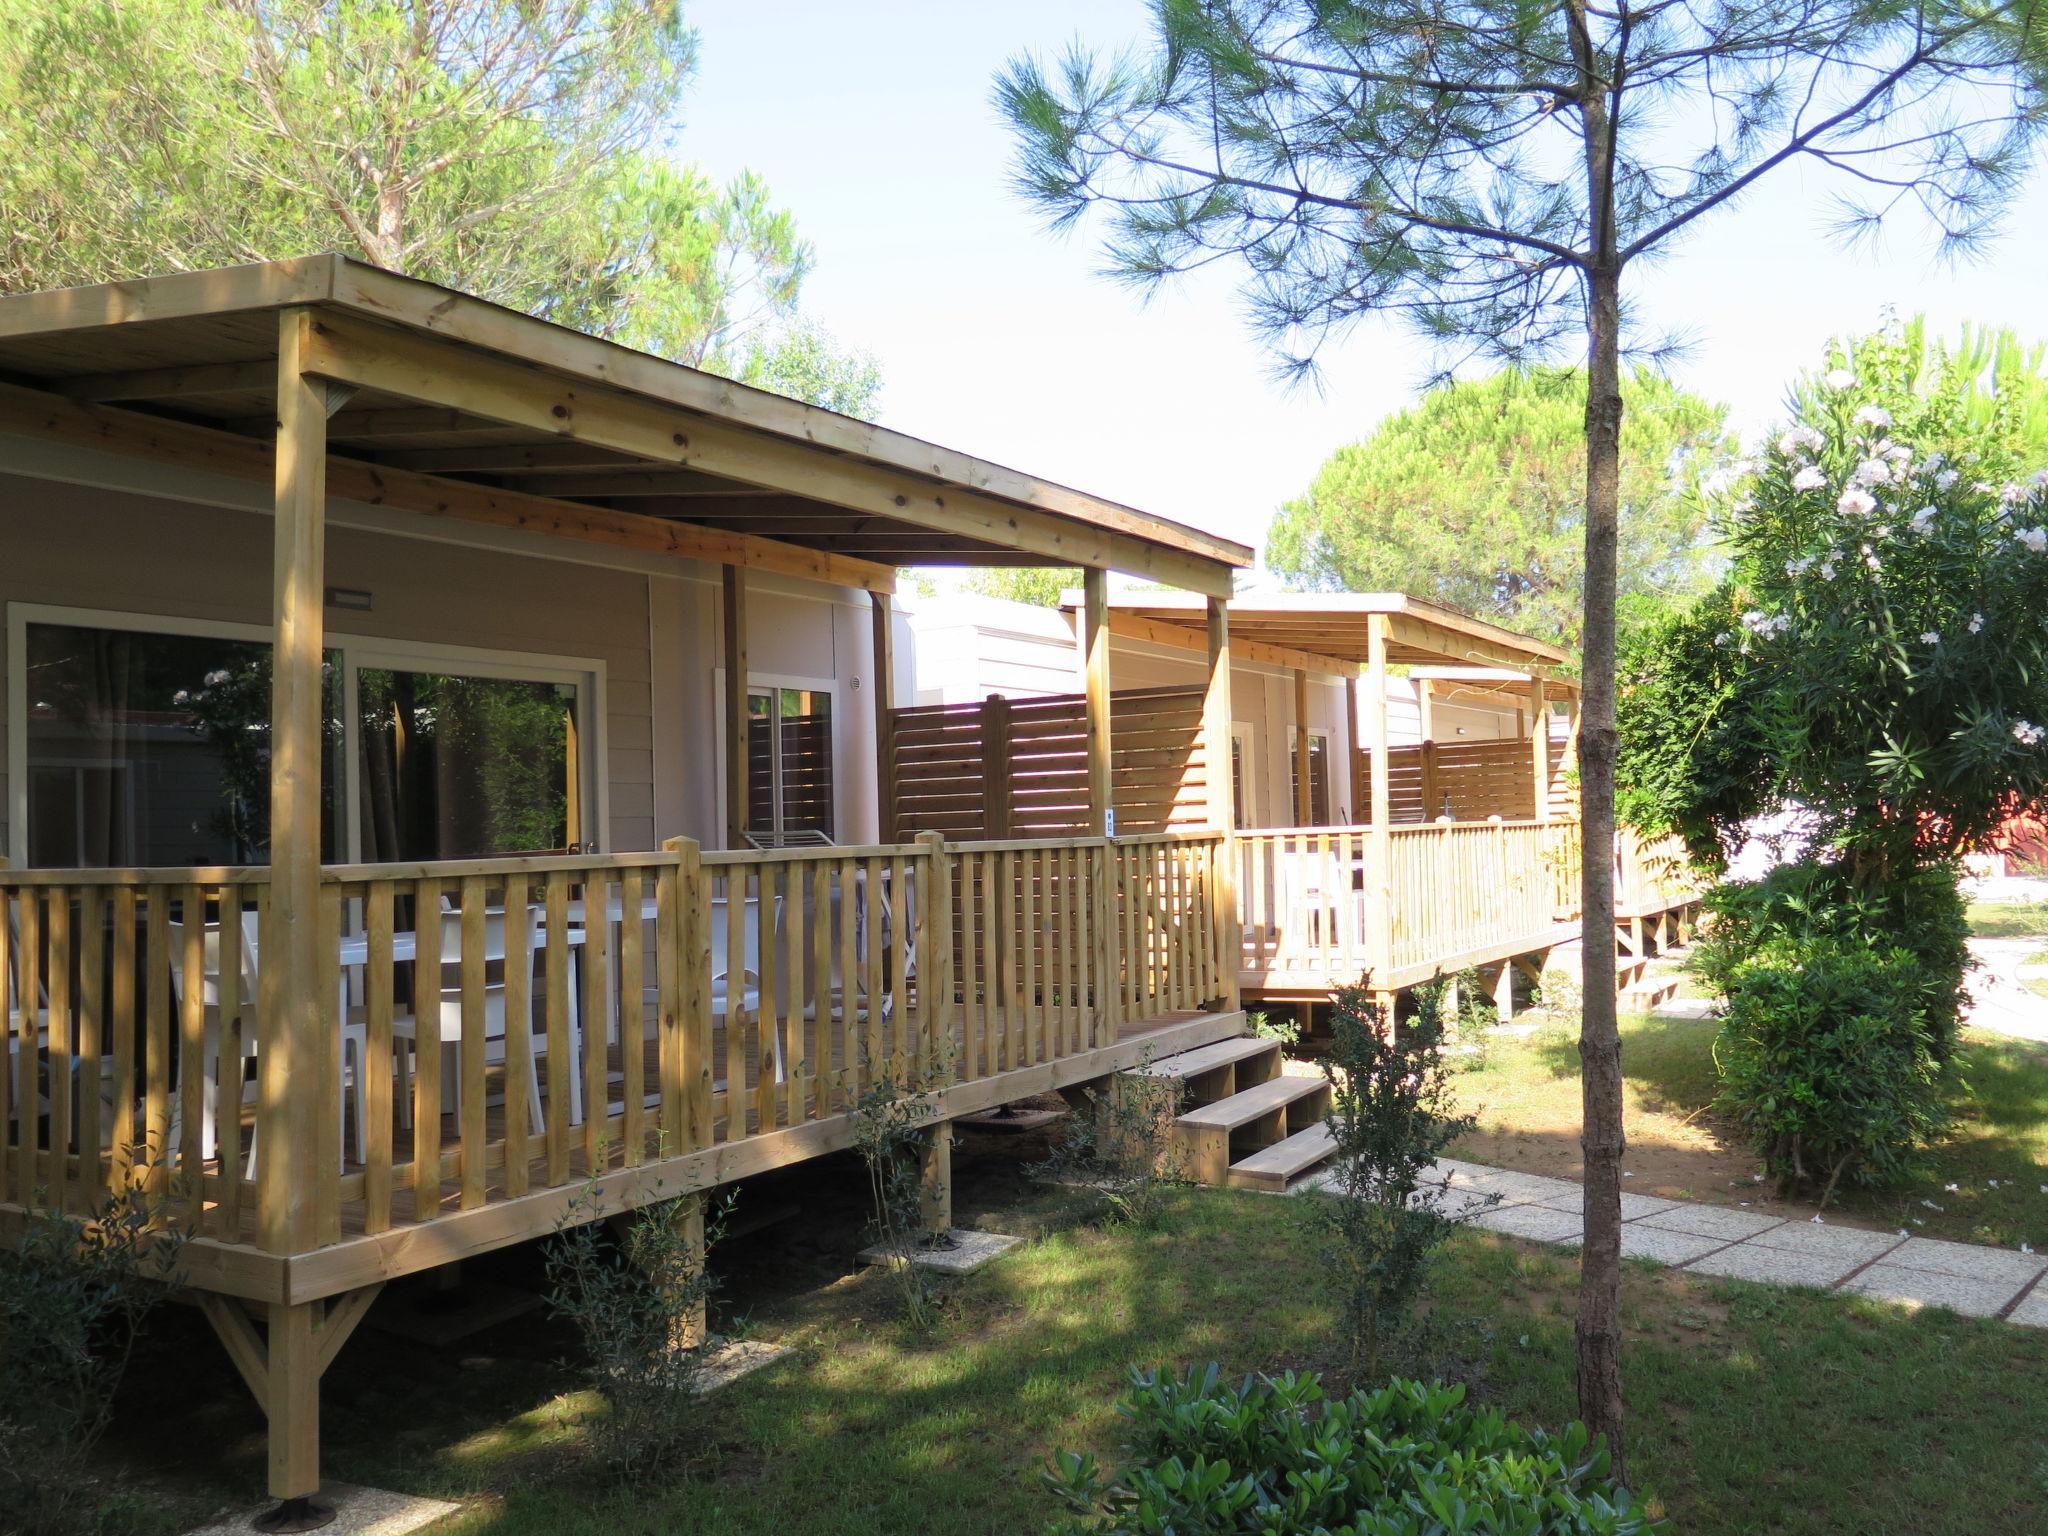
x: 789, y: 759
x: 455, y: 767
x: 146, y: 742
x: 1318, y: 777
x: 1241, y: 797
x: 149, y: 748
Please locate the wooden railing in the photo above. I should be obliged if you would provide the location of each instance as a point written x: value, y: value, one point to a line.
x: 509, y: 1025
x: 1308, y: 912
x: 1652, y: 874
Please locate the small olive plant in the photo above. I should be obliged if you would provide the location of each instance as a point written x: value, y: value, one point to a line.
x: 74, y: 1293
x: 1391, y: 1114
x: 1123, y: 1143
x: 895, y: 1118
x: 637, y: 1305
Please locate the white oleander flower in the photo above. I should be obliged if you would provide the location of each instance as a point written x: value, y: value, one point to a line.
x: 1827, y: 570
x: 2027, y: 734
x: 1872, y: 416
x: 2036, y: 539
x: 1801, y: 438
x: 1976, y: 624
x: 216, y: 677
x: 2011, y: 494
x: 1924, y: 519
x: 1899, y: 453
x: 1809, y: 478
x: 1870, y: 472
x: 1929, y: 637
x: 1856, y: 502
x: 1946, y: 480
x: 1840, y: 378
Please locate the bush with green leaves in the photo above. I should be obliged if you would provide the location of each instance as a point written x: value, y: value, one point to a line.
x: 1271, y: 1456
x: 637, y: 1305
x: 74, y: 1293
x: 1121, y: 1140
x: 1391, y: 1114
x: 895, y: 1118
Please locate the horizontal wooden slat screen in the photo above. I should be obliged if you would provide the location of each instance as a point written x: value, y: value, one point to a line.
x: 1012, y: 768
x: 1476, y: 779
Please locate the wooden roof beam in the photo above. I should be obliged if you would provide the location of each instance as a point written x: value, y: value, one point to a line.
x: 433, y: 372
x: 1188, y: 638
x: 35, y: 413
x: 172, y: 383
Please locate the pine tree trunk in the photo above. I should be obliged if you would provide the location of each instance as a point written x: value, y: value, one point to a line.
x: 1599, y: 1323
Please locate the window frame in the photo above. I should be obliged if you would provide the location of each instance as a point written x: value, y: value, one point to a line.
x: 770, y: 682
x: 585, y: 674
x: 1326, y: 737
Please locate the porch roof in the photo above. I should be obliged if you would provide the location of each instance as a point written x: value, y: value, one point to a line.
x: 452, y: 406
x: 1329, y: 632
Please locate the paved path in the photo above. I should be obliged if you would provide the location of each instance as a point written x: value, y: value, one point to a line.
x: 1723, y: 1240
x: 2000, y: 1001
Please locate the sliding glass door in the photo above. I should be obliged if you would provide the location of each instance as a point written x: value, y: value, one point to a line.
x: 146, y: 742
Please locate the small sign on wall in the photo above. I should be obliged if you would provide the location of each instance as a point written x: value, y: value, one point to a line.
x: 1109, y: 822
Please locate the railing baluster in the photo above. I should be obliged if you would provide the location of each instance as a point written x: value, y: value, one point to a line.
x: 426, y: 1073
x: 817, y: 1035
x: 597, y: 1023
x: 472, y: 1089
x: 519, y: 1076
x: 91, y: 1082
x: 379, y: 1046
x: 562, y: 1067
x: 768, y: 1021
x: 632, y: 1019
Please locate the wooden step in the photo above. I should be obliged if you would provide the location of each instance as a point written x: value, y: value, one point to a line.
x: 1210, y: 1138
x: 1213, y: 1072
x: 1274, y: 1168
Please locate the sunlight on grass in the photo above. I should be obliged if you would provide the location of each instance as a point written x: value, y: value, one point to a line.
x: 2008, y: 919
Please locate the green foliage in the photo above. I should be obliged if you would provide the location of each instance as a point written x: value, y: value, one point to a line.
x: 1824, y: 1061
x: 1476, y: 498
x: 1391, y: 1114
x: 516, y: 149
x: 74, y: 1293
x: 1123, y: 1142
x: 893, y: 1123
x: 637, y: 1305
x: 1274, y: 1455
x: 1040, y: 586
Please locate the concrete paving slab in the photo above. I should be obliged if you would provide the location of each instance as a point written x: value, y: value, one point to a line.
x: 1633, y: 1207
x: 1993, y: 1266
x: 1774, y: 1266
x: 1724, y: 1222
x: 2032, y: 1312
x: 969, y: 1252
x: 1454, y: 1204
x: 1533, y: 1221
x: 1519, y: 1188
x: 729, y: 1362
x: 1684, y: 1008
x: 358, y: 1511
x: 1927, y: 1288
x: 1663, y: 1245
x: 1853, y: 1245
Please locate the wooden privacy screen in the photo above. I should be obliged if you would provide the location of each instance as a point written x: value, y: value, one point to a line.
x: 1480, y: 778
x: 1019, y: 767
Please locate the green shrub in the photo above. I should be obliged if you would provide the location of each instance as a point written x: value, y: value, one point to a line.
x: 74, y: 1293
x: 1122, y: 1142
x: 1274, y: 1456
x: 1391, y: 1114
x: 1825, y: 1060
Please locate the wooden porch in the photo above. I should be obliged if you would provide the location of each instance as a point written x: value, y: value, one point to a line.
x: 330, y: 1074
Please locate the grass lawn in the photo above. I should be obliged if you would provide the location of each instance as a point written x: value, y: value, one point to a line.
x: 2008, y: 919
x: 1526, y: 1094
x: 1753, y: 1409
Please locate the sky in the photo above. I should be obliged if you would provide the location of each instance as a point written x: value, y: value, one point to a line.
x: 874, y: 124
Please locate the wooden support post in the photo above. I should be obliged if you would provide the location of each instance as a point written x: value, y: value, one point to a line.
x: 694, y: 1324
x: 1354, y: 781
x: 1504, y: 991
x: 997, y: 789
x: 1379, y: 870
x: 883, y: 665
x: 1303, y: 801
x: 1216, y: 743
x: 1095, y: 646
x: 1539, y: 748
x: 1425, y: 706
x: 293, y: 1019
x: 935, y: 1178
x: 734, y: 614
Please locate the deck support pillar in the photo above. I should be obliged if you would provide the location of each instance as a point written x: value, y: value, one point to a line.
x: 884, y: 669
x: 1504, y: 992
x: 688, y: 1216
x: 1379, y: 867
x: 1539, y: 748
x: 1095, y: 665
x: 935, y: 1179
x: 733, y: 615
x: 1217, y: 755
x: 1304, y: 799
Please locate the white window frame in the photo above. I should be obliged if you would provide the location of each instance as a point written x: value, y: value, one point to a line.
x: 585, y: 674
x: 1315, y: 733
x: 758, y: 681
x: 1241, y: 739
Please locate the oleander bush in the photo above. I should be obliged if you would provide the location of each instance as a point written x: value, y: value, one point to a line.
x: 1268, y: 1456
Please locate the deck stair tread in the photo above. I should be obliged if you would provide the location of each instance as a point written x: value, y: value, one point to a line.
x: 1272, y: 1168
x: 1207, y: 1058
x: 1247, y: 1105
